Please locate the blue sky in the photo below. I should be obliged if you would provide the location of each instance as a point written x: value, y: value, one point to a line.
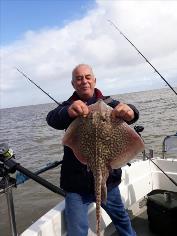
x: 18, y: 16
x: 46, y: 39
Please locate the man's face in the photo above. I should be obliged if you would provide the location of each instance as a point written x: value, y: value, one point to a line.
x: 84, y: 82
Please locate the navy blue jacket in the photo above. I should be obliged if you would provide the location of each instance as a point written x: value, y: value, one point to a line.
x: 74, y: 175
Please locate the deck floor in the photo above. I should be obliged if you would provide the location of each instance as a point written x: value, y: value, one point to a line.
x: 140, y: 224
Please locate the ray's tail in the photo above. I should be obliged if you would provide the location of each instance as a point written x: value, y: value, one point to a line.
x: 98, y: 181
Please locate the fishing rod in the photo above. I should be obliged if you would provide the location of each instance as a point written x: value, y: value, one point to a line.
x: 172, y: 180
x: 139, y: 129
x: 8, y: 166
x: 36, y: 85
x: 115, y: 26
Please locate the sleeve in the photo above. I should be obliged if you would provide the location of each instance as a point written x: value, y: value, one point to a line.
x: 59, y: 118
x: 136, y: 114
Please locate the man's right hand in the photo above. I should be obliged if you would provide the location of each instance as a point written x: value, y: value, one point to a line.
x: 78, y: 108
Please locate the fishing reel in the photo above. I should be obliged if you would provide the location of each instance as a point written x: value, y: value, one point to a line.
x: 139, y: 129
x: 7, y: 165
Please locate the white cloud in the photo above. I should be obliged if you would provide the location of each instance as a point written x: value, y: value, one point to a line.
x: 48, y: 56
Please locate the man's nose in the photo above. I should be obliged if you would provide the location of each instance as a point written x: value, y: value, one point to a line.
x: 84, y: 80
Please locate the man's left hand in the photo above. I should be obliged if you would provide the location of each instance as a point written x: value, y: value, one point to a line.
x: 123, y: 111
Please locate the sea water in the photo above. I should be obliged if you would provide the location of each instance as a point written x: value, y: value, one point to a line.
x: 35, y: 144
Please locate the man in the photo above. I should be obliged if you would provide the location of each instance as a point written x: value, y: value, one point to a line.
x: 75, y: 179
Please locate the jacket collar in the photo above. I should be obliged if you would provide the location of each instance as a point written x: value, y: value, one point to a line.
x: 96, y: 96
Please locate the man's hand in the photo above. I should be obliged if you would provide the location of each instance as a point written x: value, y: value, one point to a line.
x: 78, y: 108
x: 123, y: 111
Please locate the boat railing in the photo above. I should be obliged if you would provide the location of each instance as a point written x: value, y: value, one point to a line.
x: 169, y: 146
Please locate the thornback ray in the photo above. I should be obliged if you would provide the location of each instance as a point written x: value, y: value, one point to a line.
x: 102, y: 143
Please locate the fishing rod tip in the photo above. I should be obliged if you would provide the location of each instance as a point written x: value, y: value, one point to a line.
x: 109, y: 21
x: 15, y: 67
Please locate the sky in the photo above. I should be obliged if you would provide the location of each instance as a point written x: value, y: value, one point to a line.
x: 46, y: 39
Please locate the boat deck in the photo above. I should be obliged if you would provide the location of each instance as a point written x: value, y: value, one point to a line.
x: 140, y: 224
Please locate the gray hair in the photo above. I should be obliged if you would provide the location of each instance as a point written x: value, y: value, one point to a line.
x: 79, y: 65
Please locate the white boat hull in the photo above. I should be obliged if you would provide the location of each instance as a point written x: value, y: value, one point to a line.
x: 137, y: 181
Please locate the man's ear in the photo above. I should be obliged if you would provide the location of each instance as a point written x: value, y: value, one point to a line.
x: 72, y: 83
